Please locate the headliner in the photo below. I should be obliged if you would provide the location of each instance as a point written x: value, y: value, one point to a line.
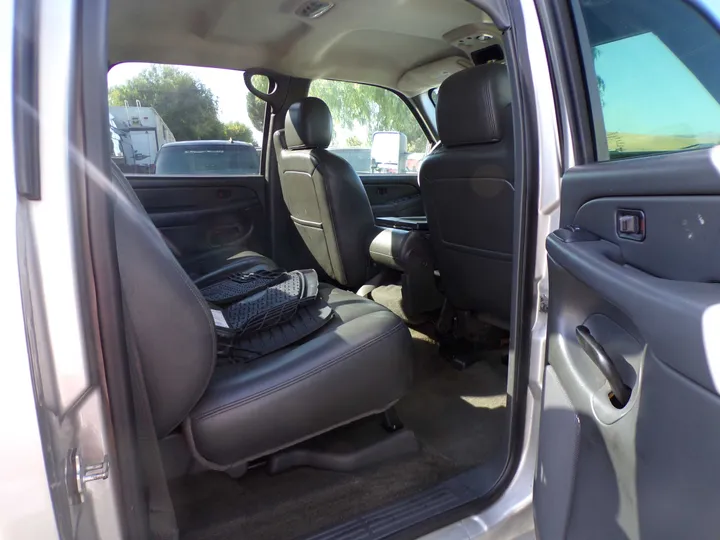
x: 370, y: 41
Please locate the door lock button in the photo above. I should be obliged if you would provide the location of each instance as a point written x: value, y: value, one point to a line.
x: 631, y: 225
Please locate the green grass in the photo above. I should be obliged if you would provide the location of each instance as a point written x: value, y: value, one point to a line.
x: 636, y: 142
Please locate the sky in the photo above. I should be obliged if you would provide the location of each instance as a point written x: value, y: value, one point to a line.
x: 227, y: 85
x: 650, y: 91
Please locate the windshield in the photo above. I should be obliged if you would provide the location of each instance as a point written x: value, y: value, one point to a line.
x: 208, y: 159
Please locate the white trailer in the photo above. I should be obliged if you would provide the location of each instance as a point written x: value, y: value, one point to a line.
x: 148, y: 132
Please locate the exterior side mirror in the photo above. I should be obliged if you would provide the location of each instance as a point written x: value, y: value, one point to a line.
x: 388, y: 152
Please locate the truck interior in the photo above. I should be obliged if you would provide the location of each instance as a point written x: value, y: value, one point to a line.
x: 382, y: 400
x: 493, y: 296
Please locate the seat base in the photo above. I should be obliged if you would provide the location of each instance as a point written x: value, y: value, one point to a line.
x: 393, y: 445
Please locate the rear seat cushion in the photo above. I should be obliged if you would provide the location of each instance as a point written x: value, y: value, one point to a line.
x: 357, y: 365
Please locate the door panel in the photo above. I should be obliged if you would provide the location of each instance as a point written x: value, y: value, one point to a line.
x: 394, y: 195
x: 690, y: 223
x: 206, y: 219
x: 647, y: 469
x: 630, y: 427
x: 596, y: 180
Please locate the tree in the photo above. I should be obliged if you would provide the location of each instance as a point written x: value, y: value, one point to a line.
x: 239, y: 132
x: 353, y: 141
x: 600, y: 80
x: 187, y: 106
x: 256, y: 106
x: 376, y: 108
x: 256, y: 111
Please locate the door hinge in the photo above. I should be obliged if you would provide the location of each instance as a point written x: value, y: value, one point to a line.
x: 544, y: 303
x: 79, y: 474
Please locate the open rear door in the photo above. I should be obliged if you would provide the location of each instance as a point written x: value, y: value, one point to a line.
x: 630, y: 427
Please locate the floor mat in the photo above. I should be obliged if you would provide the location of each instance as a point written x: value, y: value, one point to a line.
x: 457, y: 414
x: 458, y: 417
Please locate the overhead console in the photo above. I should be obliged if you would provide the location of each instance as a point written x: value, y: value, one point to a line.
x: 473, y: 37
x: 468, y: 39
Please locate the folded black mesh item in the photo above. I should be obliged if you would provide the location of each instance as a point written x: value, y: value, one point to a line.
x: 308, y: 319
x: 239, y: 325
x: 241, y: 285
x: 273, y: 305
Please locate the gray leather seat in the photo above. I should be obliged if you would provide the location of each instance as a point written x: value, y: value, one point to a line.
x: 357, y: 365
x: 326, y: 200
x: 467, y: 187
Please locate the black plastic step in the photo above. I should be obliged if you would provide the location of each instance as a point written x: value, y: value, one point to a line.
x: 393, y: 518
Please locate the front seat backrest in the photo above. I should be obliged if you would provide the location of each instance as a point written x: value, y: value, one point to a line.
x: 169, y: 322
x: 467, y: 188
x: 326, y: 200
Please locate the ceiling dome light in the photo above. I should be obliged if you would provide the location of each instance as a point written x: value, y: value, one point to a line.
x: 312, y: 9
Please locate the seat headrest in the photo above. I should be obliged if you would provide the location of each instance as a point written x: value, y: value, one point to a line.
x: 308, y: 124
x: 470, y: 104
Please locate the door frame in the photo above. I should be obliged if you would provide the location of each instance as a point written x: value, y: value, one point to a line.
x: 74, y: 338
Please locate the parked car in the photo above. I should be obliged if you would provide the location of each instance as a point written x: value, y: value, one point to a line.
x: 207, y: 158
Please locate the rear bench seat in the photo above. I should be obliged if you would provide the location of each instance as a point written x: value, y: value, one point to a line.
x: 357, y: 365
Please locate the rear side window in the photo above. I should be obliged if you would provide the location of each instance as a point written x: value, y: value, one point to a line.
x: 655, y: 75
x: 374, y: 130
x: 160, y: 115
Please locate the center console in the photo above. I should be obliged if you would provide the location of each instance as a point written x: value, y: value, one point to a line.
x: 409, y: 223
x: 403, y: 244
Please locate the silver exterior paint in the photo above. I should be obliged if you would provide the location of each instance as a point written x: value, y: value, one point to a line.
x: 27, y: 510
x: 71, y: 410
x: 24, y: 493
x: 511, y: 515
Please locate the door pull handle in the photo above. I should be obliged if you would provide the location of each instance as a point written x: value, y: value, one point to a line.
x: 600, y: 358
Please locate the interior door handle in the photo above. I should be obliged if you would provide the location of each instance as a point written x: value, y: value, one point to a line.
x: 600, y: 358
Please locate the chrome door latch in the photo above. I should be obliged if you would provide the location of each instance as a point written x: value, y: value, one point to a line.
x: 79, y: 474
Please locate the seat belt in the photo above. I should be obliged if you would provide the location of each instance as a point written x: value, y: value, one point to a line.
x: 161, y: 514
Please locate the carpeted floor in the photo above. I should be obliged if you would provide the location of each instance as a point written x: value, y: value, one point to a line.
x: 458, y: 417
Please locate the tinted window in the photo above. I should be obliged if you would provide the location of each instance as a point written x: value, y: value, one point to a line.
x: 656, y: 71
x: 231, y: 158
x: 374, y: 130
x: 152, y: 105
